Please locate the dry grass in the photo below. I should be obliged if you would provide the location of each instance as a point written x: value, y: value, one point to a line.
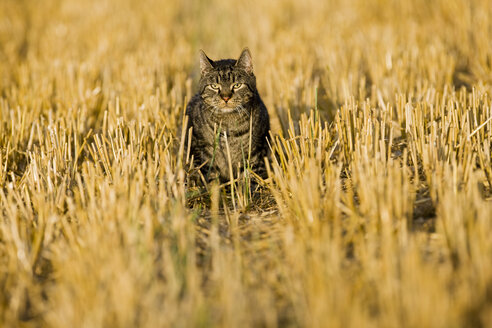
x: 377, y: 211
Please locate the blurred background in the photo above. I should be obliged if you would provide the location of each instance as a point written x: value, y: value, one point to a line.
x: 303, y: 51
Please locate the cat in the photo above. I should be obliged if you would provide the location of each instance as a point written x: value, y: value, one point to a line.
x: 221, y: 113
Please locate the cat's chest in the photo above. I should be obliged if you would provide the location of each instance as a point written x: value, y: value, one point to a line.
x: 222, y: 141
x: 227, y: 130
x: 226, y: 137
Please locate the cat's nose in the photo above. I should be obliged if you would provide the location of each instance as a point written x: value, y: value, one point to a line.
x: 226, y: 98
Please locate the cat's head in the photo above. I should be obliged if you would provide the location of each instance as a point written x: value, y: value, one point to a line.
x: 228, y: 84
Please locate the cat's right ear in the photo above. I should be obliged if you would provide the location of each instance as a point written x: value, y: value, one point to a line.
x: 206, y: 63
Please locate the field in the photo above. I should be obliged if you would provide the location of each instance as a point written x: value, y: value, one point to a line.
x: 377, y: 211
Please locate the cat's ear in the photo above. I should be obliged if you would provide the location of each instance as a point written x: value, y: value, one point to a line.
x: 206, y: 63
x: 245, y: 61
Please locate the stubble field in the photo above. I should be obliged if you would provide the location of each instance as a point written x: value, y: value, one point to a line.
x: 377, y: 211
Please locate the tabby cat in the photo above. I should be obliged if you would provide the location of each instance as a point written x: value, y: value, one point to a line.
x: 221, y: 113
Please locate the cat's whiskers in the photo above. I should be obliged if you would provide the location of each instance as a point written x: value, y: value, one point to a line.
x: 215, y: 108
x: 241, y: 110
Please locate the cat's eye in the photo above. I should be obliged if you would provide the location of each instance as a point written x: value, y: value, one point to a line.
x: 237, y: 86
x: 214, y: 86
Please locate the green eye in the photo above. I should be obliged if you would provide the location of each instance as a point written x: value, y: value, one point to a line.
x: 237, y: 86
x: 214, y: 86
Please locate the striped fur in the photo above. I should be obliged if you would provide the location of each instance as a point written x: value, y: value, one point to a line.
x: 222, y: 111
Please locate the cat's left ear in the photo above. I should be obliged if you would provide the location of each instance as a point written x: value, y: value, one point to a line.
x: 245, y: 61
